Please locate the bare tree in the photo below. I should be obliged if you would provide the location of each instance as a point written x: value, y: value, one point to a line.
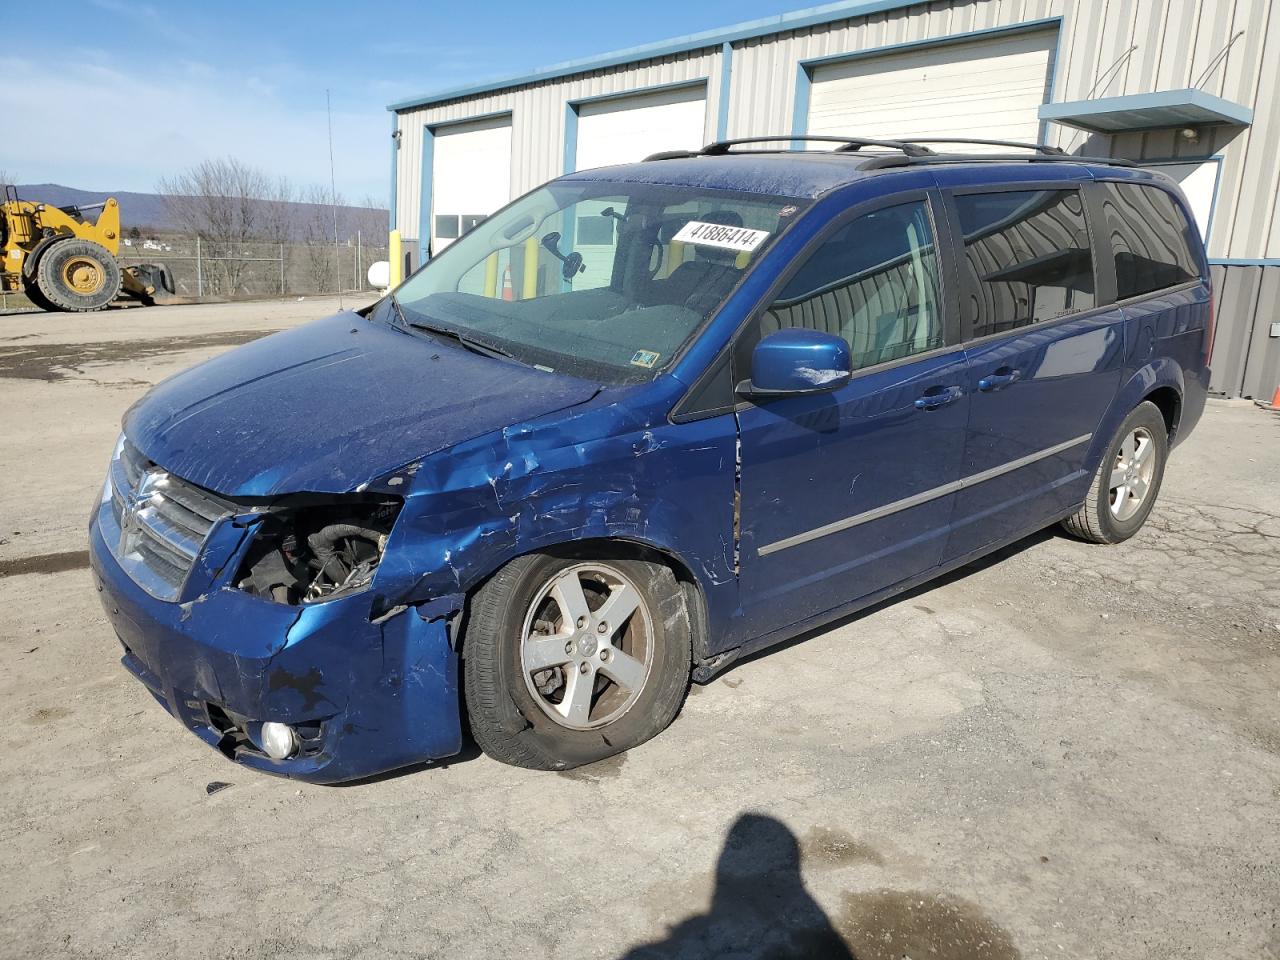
x: 369, y: 216
x: 317, y: 238
x: 6, y: 179
x: 228, y: 205
x: 277, y: 211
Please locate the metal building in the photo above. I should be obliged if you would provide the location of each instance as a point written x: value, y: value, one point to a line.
x: 1190, y: 87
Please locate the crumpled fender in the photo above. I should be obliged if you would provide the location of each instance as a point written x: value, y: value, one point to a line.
x: 531, y: 486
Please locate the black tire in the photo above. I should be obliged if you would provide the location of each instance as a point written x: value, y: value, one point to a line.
x: 507, y: 721
x: 36, y: 297
x: 1096, y: 521
x: 61, y: 262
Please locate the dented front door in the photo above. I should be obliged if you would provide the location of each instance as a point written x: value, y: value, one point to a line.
x: 845, y: 493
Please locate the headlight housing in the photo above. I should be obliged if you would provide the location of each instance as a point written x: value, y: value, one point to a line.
x: 309, y: 551
x: 105, y: 496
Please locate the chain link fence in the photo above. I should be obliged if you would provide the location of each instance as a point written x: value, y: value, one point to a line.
x: 204, y: 269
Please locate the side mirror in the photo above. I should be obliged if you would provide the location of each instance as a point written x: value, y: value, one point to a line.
x: 797, y: 361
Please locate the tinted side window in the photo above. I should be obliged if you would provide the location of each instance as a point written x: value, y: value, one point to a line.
x: 873, y: 282
x: 1026, y: 258
x: 1148, y: 235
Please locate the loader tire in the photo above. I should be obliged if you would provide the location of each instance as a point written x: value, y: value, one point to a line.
x: 78, y: 276
x: 36, y: 297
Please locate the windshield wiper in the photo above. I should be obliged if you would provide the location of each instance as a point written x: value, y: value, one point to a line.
x: 471, y: 343
x: 395, y: 305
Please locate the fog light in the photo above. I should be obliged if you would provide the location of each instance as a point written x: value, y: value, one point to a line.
x: 278, y: 740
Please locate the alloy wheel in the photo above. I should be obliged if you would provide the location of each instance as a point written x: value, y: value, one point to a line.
x: 586, y: 647
x: 1131, y: 475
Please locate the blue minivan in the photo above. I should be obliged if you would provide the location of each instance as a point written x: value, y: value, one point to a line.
x: 644, y: 421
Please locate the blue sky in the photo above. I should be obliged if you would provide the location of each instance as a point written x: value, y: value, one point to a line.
x: 129, y: 92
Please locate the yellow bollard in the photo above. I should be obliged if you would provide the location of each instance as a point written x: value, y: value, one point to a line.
x: 529, y: 288
x: 491, y: 276
x: 396, y: 260
x: 675, y: 257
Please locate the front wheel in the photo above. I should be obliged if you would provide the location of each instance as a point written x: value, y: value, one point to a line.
x: 37, y: 298
x: 569, y: 661
x: 1128, y: 479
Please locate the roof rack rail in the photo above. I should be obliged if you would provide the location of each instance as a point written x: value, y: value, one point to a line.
x: 883, y: 161
x: 978, y: 141
x: 906, y: 152
x: 847, y: 144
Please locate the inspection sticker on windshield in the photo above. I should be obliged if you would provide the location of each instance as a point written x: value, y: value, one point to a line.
x: 645, y: 358
x: 743, y: 239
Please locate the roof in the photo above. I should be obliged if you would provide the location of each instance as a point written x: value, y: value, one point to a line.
x: 747, y: 30
x: 784, y: 174
x: 809, y: 175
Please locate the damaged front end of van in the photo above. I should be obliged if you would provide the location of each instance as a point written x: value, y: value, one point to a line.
x: 279, y: 582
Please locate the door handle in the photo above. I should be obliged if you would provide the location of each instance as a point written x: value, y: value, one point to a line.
x: 1001, y: 378
x: 936, y: 397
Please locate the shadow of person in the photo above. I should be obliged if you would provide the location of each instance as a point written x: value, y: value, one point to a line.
x: 760, y: 909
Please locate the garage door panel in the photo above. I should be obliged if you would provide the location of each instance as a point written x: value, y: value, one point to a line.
x: 470, y: 176
x: 627, y: 129
x: 990, y: 88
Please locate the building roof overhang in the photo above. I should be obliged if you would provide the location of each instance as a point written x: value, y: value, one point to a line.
x: 1148, y: 111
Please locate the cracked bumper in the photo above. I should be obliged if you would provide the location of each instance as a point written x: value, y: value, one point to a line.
x: 376, y: 696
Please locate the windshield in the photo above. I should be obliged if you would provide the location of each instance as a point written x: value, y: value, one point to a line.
x: 602, y: 280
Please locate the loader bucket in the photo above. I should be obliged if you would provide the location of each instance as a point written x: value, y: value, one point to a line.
x: 152, y: 283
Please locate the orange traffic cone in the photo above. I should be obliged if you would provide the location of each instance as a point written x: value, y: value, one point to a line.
x: 1275, y: 400
x: 507, y: 292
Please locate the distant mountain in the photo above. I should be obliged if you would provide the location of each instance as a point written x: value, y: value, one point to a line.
x: 149, y: 213
x: 139, y: 210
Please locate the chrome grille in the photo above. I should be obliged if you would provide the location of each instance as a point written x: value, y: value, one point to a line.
x: 156, y: 524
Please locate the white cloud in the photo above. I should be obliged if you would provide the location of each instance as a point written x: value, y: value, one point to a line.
x: 94, y: 125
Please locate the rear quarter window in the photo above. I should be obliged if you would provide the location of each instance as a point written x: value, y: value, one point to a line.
x: 1149, y: 237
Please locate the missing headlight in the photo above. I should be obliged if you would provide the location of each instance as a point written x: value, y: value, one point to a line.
x: 307, y: 553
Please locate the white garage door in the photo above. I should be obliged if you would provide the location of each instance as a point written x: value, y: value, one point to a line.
x: 624, y: 130
x: 470, y: 176
x: 988, y: 88
x: 628, y: 129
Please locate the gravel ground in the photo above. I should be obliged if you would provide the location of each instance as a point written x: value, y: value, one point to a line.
x: 1064, y: 750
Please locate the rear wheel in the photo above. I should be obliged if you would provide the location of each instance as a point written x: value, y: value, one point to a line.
x: 78, y: 276
x: 569, y: 661
x: 1125, y: 487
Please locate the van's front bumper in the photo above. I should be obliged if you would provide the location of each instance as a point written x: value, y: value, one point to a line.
x: 367, y: 697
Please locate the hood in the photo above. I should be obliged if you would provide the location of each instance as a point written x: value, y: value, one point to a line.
x: 333, y: 404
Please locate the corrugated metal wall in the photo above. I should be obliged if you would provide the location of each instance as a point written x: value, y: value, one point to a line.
x: 1175, y: 40
x: 538, y: 119
x: 765, y: 69
x: 1246, y: 358
x: 1106, y: 48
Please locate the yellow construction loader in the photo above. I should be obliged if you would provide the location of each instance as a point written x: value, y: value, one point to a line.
x: 63, y: 261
